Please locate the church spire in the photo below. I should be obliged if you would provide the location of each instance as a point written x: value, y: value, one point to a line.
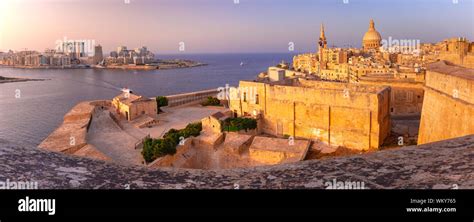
x: 322, y: 38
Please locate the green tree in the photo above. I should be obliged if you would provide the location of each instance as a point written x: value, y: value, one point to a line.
x: 161, y: 101
x: 211, y: 101
x: 155, y: 148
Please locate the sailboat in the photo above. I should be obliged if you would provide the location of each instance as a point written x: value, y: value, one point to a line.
x: 241, y: 63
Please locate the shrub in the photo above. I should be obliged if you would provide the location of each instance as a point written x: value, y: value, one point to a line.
x: 147, y: 151
x: 160, y: 102
x: 239, y: 123
x: 155, y: 148
x: 211, y: 101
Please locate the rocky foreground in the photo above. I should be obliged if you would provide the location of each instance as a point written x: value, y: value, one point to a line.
x: 442, y: 165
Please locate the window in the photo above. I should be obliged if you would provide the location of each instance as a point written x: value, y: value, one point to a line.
x: 256, y: 99
x: 245, y: 97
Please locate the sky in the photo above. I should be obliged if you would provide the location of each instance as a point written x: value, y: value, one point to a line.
x: 227, y: 26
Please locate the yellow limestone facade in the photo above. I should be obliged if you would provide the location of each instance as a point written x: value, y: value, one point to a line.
x: 448, y: 107
x: 457, y: 50
x: 406, y: 96
x: 131, y: 106
x: 339, y: 114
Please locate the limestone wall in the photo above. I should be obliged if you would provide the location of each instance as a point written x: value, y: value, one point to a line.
x: 71, y: 136
x: 406, y: 98
x: 463, y: 60
x: 448, y: 109
x: 180, y: 159
x: 143, y: 107
x: 194, y: 97
x: 355, y: 116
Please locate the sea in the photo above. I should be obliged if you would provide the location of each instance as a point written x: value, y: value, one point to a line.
x: 30, y: 111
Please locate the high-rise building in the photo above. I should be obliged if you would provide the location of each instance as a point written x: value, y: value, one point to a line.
x: 122, y: 51
x: 98, y: 55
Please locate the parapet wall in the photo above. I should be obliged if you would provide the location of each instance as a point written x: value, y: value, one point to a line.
x: 448, y: 108
x: 464, y: 60
x: 193, y: 97
x: 441, y: 165
x: 71, y: 136
x: 353, y: 116
x: 406, y: 97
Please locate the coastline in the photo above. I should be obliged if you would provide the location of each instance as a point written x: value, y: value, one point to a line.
x: 164, y: 65
x: 14, y: 79
x: 43, y: 67
x: 148, y: 67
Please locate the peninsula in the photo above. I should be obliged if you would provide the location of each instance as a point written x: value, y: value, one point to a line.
x: 13, y: 79
x: 84, y: 54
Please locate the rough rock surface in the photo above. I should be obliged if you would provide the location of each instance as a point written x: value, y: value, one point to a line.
x: 432, y: 166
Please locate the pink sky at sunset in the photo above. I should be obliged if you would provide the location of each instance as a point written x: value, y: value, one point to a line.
x: 221, y: 25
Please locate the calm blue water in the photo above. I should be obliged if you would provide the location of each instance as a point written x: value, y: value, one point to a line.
x: 27, y: 120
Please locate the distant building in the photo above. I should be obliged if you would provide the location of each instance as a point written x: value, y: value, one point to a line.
x: 122, y: 51
x: 131, y: 106
x: 98, y: 55
x: 123, y: 56
x: 276, y: 74
x: 114, y: 54
x: 458, y: 51
x: 372, y: 39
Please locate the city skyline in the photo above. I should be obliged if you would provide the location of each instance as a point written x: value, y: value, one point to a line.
x: 209, y: 26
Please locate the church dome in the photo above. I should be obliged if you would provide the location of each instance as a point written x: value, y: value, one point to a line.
x: 372, y: 35
x: 372, y: 38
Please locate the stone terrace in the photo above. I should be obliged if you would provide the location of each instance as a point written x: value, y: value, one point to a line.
x: 430, y: 166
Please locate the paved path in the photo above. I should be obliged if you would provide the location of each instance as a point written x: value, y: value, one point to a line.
x: 180, y: 116
x: 119, y: 144
x: 108, y: 138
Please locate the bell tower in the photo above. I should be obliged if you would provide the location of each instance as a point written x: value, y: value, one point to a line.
x: 322, y: 45
x: 322, y: 38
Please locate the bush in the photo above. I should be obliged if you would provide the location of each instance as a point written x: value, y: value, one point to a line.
x: 162, y: 101
x: 211, y: 101
x: 237, y: 124
x: 147, y: 151
x: 155, y: 148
